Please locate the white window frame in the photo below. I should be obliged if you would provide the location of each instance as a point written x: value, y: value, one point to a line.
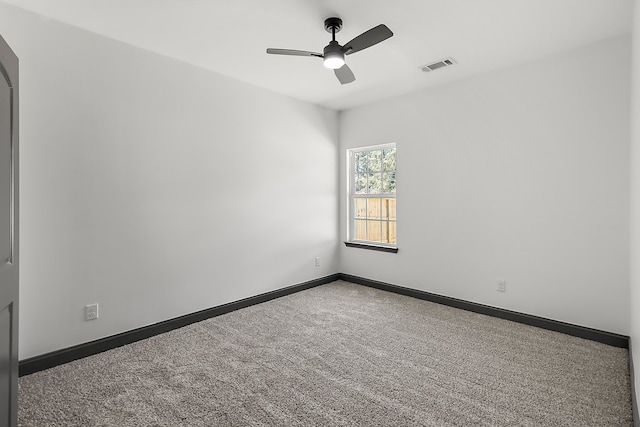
x: 352, y: 196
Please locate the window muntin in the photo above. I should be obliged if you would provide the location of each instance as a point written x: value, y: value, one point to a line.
x: 372, y: 195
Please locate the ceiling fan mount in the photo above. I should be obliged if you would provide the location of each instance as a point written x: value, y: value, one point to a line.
x: 333, y: 54
x: 333, y: 25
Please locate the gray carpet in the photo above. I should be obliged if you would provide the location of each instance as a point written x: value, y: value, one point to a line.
x: 340, y: 355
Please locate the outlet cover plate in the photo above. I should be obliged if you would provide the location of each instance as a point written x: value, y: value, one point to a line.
x: 91, y: 312
x: 502, y: 286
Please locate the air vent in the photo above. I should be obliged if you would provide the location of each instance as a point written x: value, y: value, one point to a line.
x: 440, y: 64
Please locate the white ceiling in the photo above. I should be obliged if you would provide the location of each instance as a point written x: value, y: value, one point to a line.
x: 230, y: 37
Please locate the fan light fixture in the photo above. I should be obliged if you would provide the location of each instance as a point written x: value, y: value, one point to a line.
x: 333, y: 60
x: 333, y: 55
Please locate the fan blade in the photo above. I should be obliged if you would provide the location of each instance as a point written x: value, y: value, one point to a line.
x: 367, y: 39
x: 293, y: 52
x: 344, y: 74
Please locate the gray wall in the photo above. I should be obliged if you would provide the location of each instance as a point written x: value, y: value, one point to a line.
x: 157, y: 189
x: 521, y: 174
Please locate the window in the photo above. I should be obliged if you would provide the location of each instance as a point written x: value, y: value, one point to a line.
x: 372, y: 196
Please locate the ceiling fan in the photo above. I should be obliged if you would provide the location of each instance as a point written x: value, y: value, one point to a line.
x: 333, y: 54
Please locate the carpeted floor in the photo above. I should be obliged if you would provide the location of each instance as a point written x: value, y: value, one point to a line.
x: 340, y: 355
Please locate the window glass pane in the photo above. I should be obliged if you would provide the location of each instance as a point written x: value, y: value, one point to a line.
x: 375, y: 183
x: 361, y: 230
x: 361, y: 207
x: 375, y: 161
x: 392, y: 232
x: 361, y: 162
x: 389, y: 182
x: 361, y: 184
x: 389, y: 159
x: 373, y: 231
x: 373, y: 208
x: 392, y: 209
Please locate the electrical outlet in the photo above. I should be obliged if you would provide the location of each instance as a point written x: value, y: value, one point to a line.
x: 502, y: 286
x: 91, y: 312
x: 317, y: 261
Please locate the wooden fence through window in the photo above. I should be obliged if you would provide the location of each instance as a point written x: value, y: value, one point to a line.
x: 376, y: 219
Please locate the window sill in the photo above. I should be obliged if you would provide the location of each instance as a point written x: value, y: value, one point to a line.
x: 372, y: 247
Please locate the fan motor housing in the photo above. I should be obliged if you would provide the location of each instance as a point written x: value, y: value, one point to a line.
x: 332, y: 47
